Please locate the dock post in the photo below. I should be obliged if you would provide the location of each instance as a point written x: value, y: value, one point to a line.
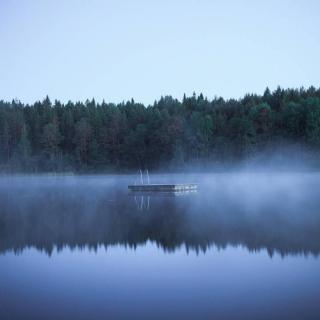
x: 141, y: 177
x: 148, y: 177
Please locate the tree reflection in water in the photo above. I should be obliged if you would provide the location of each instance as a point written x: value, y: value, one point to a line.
x: 76, y: 215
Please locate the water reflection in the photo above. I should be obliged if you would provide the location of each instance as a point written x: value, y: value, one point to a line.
x: 142, y: 200
x: 80, y: 212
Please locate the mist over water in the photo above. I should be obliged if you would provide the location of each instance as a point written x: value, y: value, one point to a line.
x: 277, y: 212
x: 243, y: 239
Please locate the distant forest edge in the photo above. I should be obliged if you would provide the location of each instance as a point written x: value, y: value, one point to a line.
x: 86, y: 137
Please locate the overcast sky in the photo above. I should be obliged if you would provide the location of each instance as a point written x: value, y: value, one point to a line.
x: 118, y: 49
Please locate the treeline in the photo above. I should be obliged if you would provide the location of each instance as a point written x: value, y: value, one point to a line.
x: 91, y: 136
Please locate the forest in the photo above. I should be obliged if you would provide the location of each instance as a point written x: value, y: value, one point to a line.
x: 50, y: 136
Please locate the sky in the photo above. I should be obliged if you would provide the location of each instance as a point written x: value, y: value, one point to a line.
x: 142, y: 49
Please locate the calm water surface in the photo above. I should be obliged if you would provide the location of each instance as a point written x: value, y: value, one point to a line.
x: 244, y: 246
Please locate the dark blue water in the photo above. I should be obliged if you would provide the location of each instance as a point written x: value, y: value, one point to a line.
x: 245, y: 246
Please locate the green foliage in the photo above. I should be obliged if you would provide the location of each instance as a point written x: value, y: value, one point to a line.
x: 22, y: 153
x: 48, y: 136
x: 313, y: 121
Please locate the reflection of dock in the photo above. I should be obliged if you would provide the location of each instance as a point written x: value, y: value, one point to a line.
x: 173, y: 188
x: 143, y: 199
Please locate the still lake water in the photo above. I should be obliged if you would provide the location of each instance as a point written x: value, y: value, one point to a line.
x: 244, y: 246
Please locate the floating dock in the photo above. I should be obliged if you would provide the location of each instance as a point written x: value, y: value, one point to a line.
x: 163, y: 187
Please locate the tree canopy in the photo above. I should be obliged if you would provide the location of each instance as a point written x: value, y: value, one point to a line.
x: 91, y: 136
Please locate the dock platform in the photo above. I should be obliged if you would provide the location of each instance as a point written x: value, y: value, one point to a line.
x: 163, y: 187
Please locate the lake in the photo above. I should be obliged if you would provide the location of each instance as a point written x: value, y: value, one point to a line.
x: 246, y: 245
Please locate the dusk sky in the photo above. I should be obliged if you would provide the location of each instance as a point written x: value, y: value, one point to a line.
x: 119, y: 49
